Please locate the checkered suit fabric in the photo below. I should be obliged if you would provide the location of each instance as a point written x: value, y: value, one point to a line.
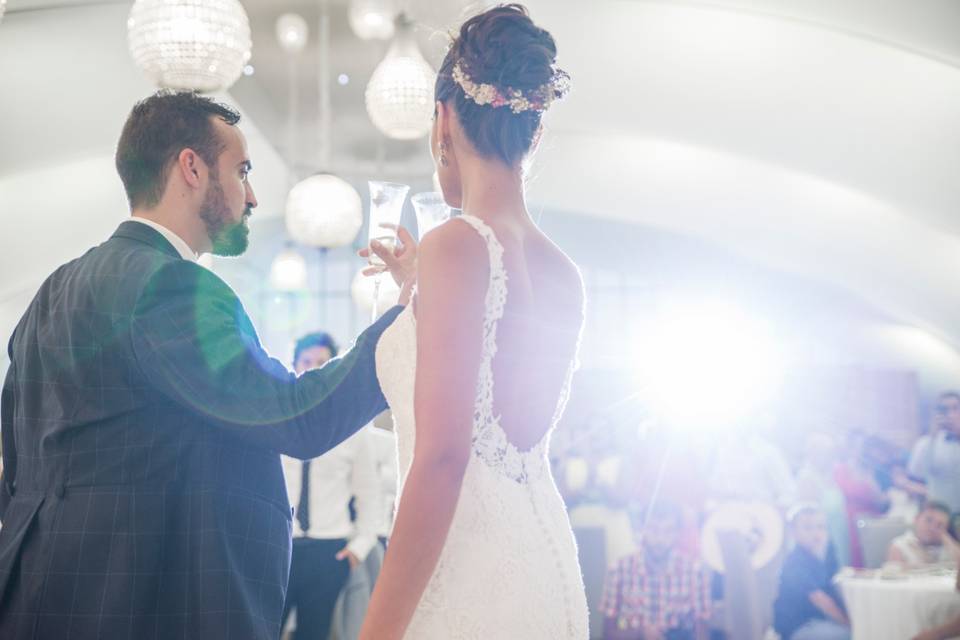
x: 143, y: 495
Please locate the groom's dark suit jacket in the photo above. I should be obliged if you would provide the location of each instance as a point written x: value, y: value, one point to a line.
x: 142, y: 424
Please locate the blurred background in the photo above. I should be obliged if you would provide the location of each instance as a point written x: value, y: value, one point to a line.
x: 762, y: 196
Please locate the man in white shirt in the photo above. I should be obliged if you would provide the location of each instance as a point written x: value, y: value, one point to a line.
x: 384, y: 443
x: 936, y: 457
x: 327, y: 544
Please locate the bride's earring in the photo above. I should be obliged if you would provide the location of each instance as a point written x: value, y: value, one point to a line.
x: 443, y: 155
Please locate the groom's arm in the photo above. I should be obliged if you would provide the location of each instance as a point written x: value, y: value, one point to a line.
x: 195, y: 344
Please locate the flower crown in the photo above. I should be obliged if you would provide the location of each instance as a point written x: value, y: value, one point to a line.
x: 538, y: 100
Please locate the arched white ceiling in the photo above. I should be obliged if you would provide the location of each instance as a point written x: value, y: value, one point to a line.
x: 797, y: 142
x: 66, y: 86
x: 818, y: 136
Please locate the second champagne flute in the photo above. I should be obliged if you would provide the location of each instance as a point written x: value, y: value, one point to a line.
x: 386, y: 207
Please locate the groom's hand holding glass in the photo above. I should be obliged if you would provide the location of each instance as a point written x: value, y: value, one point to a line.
x: 400, y: 261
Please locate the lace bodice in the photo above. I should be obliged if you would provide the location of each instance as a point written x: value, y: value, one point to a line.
x: 510, y: 535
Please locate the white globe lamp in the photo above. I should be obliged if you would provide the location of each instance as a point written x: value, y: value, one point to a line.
x: 288, y: 271
x: 200, y: 45
x: 324, y: 211
x: 292, y: 32
x: 372, y: 19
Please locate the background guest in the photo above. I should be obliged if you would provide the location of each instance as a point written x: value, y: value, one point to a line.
x: 590, y: 477
x: 355, y: 597
x: 889, y: 464
x: 326, y: 542
x: 384, y: 443
x: 808, y: 604
x: 660, y: 470
x: 936, y: 456
x: 749, y: 467
x: 928, y: 542
x: 659, y: 592
x: 862, y: 493
x: 816, y: 485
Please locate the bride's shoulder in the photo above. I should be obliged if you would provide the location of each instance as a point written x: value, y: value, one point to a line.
x: 453, y: 248
x: 563, y: 271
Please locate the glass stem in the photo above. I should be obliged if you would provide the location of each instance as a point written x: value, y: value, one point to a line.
x: 376, y: 297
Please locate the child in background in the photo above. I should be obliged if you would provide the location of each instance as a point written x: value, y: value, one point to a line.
x: 808, y: 605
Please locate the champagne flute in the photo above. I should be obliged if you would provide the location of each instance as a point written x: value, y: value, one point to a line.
x: 386, y: 206
x: 432, y: 211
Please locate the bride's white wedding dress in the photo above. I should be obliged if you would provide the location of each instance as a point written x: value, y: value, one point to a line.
x: 508, y: 569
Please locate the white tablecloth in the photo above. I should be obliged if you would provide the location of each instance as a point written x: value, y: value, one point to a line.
x: 884, y: 609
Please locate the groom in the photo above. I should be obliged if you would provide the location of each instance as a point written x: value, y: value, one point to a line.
x: 142, y: 421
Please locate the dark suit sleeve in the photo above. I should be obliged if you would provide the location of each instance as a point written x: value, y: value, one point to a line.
x: 195, y: 344
x: 6, y: 433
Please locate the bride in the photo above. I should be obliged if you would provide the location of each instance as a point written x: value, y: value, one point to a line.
x: 482, y: 547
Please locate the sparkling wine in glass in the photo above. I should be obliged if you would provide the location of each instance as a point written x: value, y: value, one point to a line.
x: 386, y: 206
x: 432, y: 211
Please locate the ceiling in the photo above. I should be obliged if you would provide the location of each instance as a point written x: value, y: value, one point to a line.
x: 820, y: 137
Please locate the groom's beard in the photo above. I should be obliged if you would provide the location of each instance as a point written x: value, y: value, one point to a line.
x: 227, y: 238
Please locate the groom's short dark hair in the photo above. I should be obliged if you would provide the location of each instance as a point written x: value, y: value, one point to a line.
x: 157, y: 130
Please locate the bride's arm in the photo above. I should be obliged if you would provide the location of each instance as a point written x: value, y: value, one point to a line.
x: 452, y: 284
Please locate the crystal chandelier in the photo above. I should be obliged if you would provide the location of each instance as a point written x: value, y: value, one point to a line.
x: 190, y: 44
x: 324, y: 211
x: 399, y: 96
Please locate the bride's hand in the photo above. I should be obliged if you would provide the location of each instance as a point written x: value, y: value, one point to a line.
x: 400, y: 262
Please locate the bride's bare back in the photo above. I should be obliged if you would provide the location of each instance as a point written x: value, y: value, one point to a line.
x: 538, y: 335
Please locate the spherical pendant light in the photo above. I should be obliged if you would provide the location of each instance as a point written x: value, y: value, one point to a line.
x: 292, y: 32
x: 363, y: 288
x: 190, y: 44
x: 372, y: 19
x: 399, y: 96
x: 324, y: 211
x: 288, y: 271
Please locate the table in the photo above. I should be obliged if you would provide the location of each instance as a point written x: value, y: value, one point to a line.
x: 884, y: 608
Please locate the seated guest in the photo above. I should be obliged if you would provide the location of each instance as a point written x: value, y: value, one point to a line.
x: 658, y: 593
x: 815, y: 484
x: 808, y: 604
x: 928, y: 542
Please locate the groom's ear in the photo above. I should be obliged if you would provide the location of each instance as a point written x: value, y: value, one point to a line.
x: 191, y: 167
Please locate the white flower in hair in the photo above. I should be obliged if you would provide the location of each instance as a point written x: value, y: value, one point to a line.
x: 538, y: 100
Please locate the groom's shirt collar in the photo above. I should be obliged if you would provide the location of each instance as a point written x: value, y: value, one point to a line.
x: 178, y: 243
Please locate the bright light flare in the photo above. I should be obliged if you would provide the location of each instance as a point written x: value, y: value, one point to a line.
x: 707, y: 364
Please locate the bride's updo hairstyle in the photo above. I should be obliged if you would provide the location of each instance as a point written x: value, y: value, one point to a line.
x: 500, y: 76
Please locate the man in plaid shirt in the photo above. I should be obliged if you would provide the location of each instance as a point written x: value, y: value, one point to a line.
x: 658, y: 593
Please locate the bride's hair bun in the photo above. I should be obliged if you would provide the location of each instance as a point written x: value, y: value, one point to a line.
x: 499, y: 54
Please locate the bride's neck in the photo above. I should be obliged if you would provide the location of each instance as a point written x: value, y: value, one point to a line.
x: 491, y: 189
